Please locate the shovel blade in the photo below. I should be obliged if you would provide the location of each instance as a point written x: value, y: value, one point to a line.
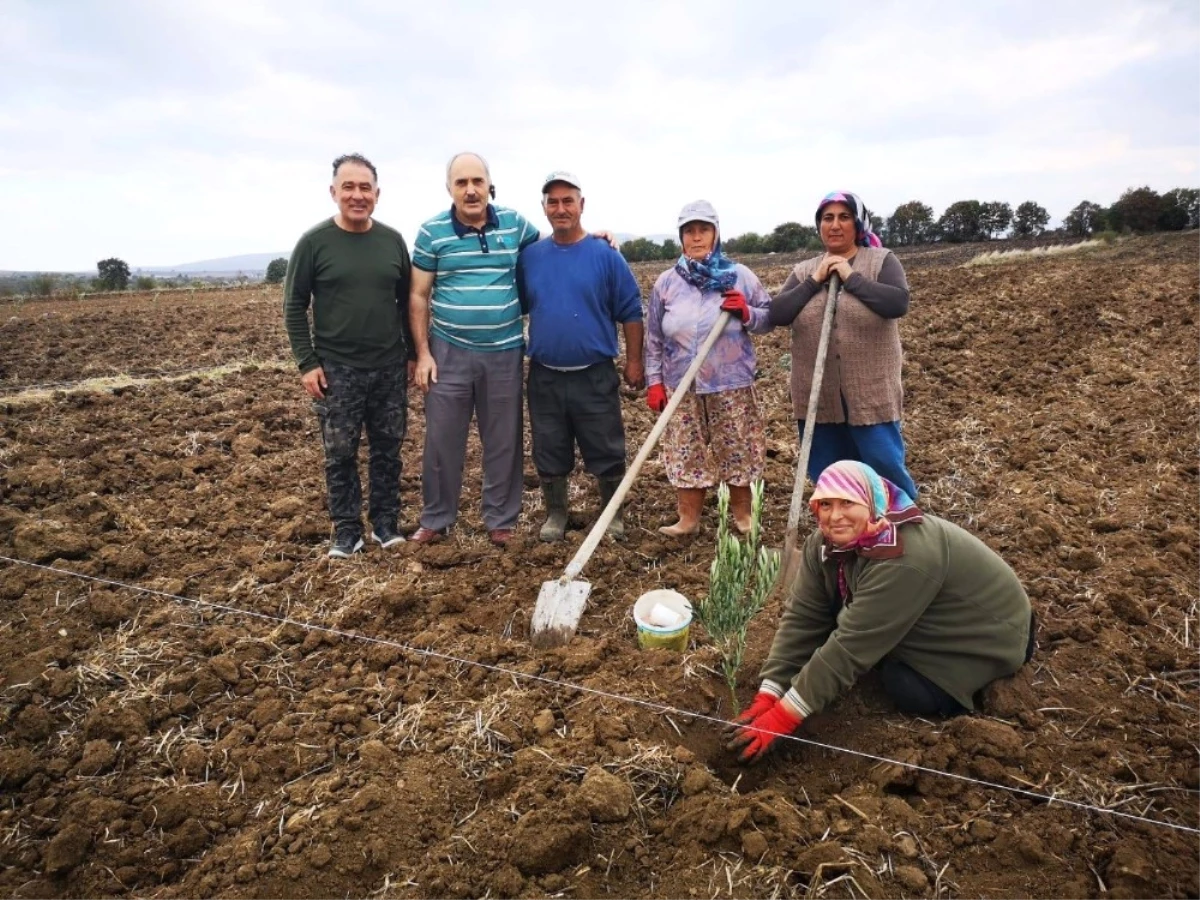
x: 557, y: 613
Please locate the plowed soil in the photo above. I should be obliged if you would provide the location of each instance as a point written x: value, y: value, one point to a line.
x: 164, y: 732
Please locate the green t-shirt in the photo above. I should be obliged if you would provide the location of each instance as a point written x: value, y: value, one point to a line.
x: 357, y: 284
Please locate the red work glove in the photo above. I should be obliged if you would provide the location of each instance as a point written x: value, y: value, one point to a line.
x: 755, y: 739
x: 656, y: 397
x: 763, y: 701
x: 735, y: 302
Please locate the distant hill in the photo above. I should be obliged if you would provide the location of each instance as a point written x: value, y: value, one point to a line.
x: 256, y: 263
x: 253, y: 264
x: 248, y: 263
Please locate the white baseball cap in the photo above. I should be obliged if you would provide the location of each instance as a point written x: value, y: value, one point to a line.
x: 564, y: 177
x: 699, y: 211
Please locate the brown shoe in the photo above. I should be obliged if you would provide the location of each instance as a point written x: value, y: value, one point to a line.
x: 425, y: 535
x: 499, y: 536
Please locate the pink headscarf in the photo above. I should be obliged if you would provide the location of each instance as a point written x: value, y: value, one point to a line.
x: 857, y: 482
x: 889, y: 507
x: 863, y: 236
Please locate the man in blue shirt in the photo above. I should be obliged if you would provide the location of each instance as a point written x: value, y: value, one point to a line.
x: 576, y: 291
x: 467, y: 329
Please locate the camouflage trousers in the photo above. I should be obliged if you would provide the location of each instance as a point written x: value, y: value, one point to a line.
x: 376, y: 399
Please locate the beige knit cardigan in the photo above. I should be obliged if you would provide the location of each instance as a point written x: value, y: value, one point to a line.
x: 864, y: 359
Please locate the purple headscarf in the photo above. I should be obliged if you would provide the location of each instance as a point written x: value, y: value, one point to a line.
x: 863, y: 235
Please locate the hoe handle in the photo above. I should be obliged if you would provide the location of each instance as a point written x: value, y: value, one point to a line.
x: 810, y: 424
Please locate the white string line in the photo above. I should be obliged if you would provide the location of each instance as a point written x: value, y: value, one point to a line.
x: 648, y: 704
x: 135, y: 377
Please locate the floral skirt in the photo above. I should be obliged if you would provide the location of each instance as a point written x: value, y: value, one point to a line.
x: 714, y: 438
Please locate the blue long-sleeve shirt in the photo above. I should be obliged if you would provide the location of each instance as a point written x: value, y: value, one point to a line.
x: 575, y: 294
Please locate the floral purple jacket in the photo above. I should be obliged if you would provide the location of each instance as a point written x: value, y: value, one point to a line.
x: 678, y: 321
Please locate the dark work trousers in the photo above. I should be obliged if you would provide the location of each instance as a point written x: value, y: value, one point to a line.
x: 880, y: 446
x: 487, y: 385
x: 378, y: 400
x: 581, y: 406
x: 913, y: 693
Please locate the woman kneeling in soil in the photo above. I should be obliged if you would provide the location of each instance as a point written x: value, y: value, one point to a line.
x: 716, y: 433
x: 882, y: 583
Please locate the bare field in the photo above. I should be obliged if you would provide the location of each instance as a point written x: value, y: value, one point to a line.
x: 215, y: 709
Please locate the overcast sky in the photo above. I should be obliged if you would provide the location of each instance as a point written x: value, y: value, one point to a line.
x: 168, y: 131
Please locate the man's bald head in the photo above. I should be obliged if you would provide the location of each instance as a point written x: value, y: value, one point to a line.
x: 465, y: 156
x: 469, y: 183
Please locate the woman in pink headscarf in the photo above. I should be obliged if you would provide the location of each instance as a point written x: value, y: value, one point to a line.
x: 883, y: 583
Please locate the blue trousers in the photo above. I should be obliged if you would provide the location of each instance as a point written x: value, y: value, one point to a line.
x: 879, y: 446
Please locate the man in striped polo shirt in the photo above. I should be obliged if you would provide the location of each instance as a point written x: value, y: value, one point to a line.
x: 467, y: 328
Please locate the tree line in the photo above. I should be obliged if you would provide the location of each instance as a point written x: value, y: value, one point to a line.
x: 1138, y: 210
x: 113, y: 274
x: 786, y: 238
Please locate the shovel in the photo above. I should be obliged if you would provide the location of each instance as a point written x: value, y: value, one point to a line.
x: 791, y: 558
x: 560, y: 603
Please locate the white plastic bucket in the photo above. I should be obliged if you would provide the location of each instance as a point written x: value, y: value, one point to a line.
x: 653, y: 612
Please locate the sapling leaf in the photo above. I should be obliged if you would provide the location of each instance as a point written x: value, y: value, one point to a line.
x: 740, y: 580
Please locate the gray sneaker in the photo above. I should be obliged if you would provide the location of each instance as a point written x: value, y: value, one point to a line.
x: 345, y: 544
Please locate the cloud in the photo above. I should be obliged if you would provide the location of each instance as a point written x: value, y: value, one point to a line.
x: 168, y: 132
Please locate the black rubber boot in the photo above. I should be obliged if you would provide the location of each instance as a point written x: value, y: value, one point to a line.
x: 608, y: 487
x: 554, y: 492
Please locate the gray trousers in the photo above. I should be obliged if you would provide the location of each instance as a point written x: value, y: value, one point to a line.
x: 488, y: 386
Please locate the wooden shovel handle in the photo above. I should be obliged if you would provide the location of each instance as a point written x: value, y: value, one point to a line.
x: 810, y: 423
x: 588, y: 547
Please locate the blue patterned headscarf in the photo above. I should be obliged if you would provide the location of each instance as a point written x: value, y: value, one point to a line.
x: 716, y: 271
x: 863, y: 235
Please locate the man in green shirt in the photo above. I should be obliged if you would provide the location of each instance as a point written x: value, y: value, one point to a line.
x: 354, y: 357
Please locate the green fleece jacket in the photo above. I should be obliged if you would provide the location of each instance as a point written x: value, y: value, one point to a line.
x: 357, y: 284
x: 948, y: 607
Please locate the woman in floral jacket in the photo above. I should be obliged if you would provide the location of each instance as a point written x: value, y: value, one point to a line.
x: 716, y: 433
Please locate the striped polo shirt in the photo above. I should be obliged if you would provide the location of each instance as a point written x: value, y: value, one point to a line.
x: 474, y: 302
